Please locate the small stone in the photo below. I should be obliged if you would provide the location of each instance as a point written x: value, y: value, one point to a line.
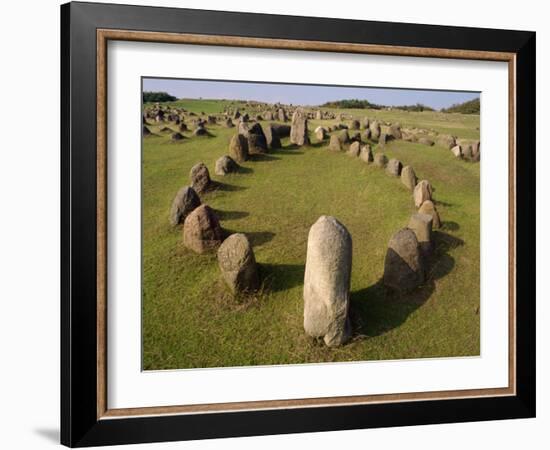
x: 422, y: 192
x: 202, y: 231
x: 177, y: 137
x: 200, y: 178
x: 403, y: 267
x: 327, y: 281
x: 367, y: 134
x: 457, y: 151
x: 446, y: 141
x: 238, y: 148
x: 425, y: 141
x: 320, y: 133
x: 225, y: 165
x: 238, y: 264
x: 184, y: 203
x: 408, y: 178
x: 343, y: 136
x: 394, y: 167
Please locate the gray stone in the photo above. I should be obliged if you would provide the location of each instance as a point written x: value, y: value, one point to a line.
x: 395, y: 131
x: 327, y: 281
x: 467, y: 152
x: 281, y: 115
x: 380, y: 160
x: 238, y: 148
x: 355, y: 125
x: 446, y: 141
x: 408, y: 178
x: 320, y: 133
x: 238, y: 264
x: 367, y: 134
x: 374, y: 130
x: 403, y: 267
x: 422, y: 192
x: 394, y: 167
x: 184, y: 203
x: 200, y: 178
x: 354, y: 149
x: 366, y: 154
x: 429, y: 208
x: 225, y: 165
x: 457, y: 151
x: 343, y: 136
x: 177, y: 137
x: 272, y: 137
x: 421, y: 224
x: 298, y: 129
x: 229, y: 123
x: 334, y: 143
x: 476, y: 155
x: 202, y: 231
x: 366, y: 123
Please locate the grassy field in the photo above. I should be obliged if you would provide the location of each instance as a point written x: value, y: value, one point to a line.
x: 189, y: 320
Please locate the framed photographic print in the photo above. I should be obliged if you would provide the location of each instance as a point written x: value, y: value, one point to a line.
x: 277, y: 224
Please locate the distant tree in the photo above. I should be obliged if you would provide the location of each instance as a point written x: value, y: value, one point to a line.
x: 365, y: 104
x: 158, y: 97
x: 469, y: 107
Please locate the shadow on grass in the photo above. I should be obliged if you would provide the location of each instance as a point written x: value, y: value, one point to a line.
x: 243, y: 170
x: 450, y: 225
x: 262, y: 157
x: 375, y: 310
x: 280, y: 277
x: 290, y: 150
x: 219, y: 186
x: 256, y: 238
x: 231, y: 215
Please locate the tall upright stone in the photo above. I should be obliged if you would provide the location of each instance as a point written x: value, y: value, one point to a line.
x: 354, y: 149
x: 238, y: 148
x: 429, y: 208
x: 334, y: 143
x: 298, y: 129
x: 281, y: 115
x: 366, y: 154
x: 327, y: 281
x: 272, y: 137
x: 374, y: 130
x: 394, y: 167
x: 403, y: 266
x: 380, y: 160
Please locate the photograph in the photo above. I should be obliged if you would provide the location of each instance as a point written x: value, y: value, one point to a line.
x: 305, y: 224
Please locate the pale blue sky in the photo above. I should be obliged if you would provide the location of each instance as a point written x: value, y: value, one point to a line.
x: 302, y: 94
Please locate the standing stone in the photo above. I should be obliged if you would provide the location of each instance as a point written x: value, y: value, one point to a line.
x: 422, y: 192
x: 229, y: 123
x: 422, y: 224
x: 355, y: 136
x: 380, y: 160
x: 394, y: 167
x: 327, y: 281
x: 408, y: 178
x: 320, y: 133
x: 272, y: 137
x: 238, y: 264
x: 403, y: 269
x: 446, y: 141
x: 257, y: 142
x: 202, y: 231
x: 374, y: 130
x: 238, y: 148
x: 428, y: 207
x: 184, y: 203
x: 242, y: 129
x: 354, y: 149
x: 366, y: 154
x: 366, y: 123
x: 200, y: 178
x: 395, y: 131
x: 318, y: 115
x: 200, y: 130
x: 355, y: 125
x: 281, y: 114
x: 298, y: 129
x: 475, y: 151
x: 225, y: 165
x: 467, y: 152
x: 457, y: 151
x: 343, y: 136
x: 268, y: 115
x: 335, y: 144
x: 183, y: 127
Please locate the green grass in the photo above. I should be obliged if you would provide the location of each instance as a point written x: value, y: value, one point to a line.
x: 189, y: 320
